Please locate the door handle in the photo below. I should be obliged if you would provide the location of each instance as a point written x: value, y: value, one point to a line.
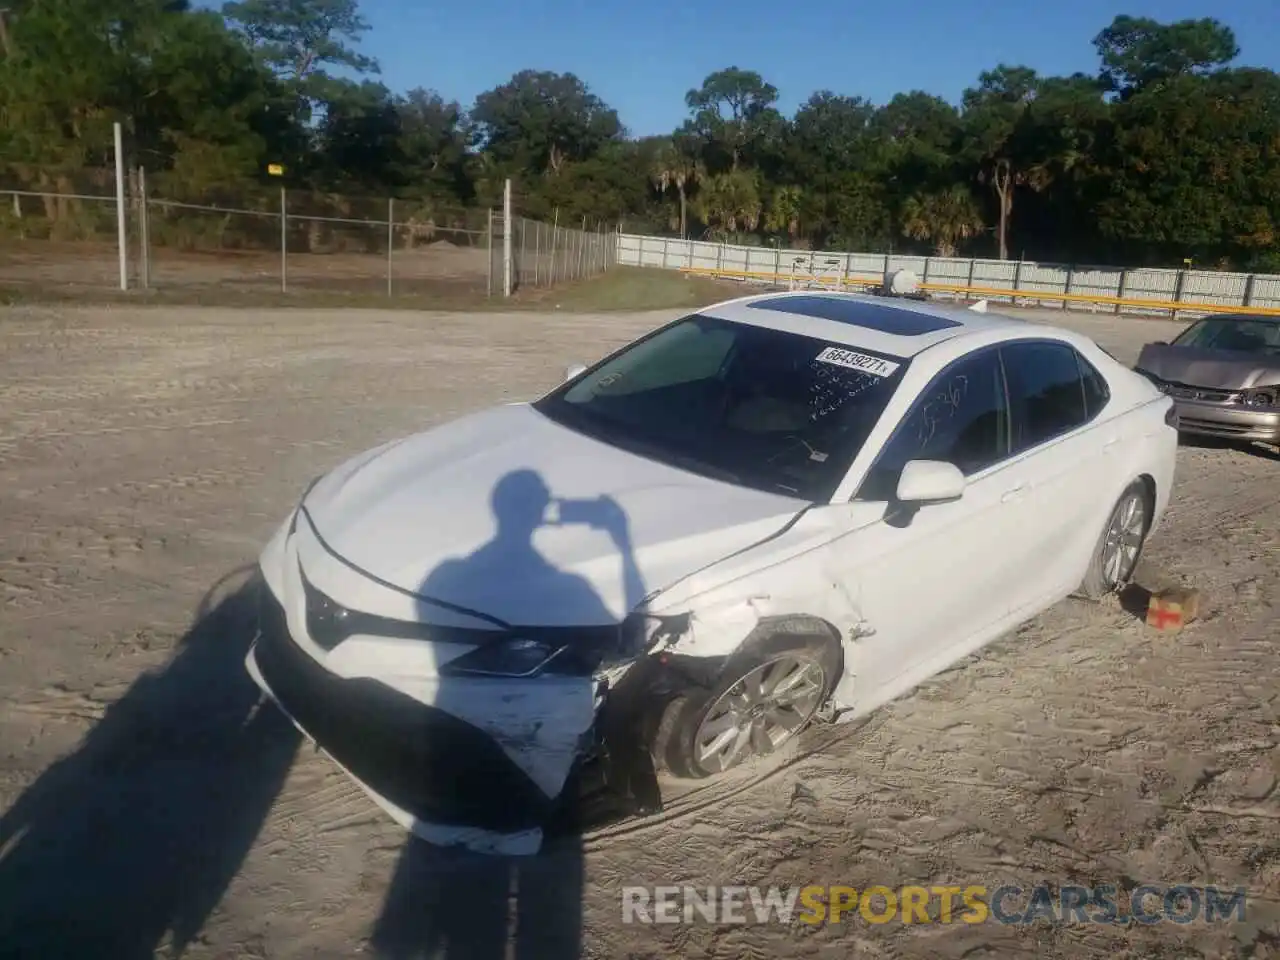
x: 1110, y: 445
x: 1013, y: 493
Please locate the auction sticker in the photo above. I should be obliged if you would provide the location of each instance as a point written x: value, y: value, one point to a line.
x: 858, y: 361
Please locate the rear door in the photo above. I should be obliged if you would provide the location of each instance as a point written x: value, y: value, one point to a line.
x: 1065, y: 450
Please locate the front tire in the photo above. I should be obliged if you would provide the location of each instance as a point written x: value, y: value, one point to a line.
x: 1120, y: 546
x: 766, y: 694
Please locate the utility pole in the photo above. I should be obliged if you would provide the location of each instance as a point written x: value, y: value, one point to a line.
x: 506, y: 238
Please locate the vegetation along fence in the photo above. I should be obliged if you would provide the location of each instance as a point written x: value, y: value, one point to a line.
x: 64, y: 232
x: 1159, y: 292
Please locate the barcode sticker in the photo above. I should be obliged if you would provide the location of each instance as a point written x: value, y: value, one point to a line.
x: 858, y: 361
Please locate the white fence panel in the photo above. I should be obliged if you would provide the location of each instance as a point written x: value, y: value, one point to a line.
x: 839, y: 270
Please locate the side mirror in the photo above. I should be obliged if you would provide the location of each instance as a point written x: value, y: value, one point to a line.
x: 1159, y: 343
x: 930, y: 481
x: 573, y: 370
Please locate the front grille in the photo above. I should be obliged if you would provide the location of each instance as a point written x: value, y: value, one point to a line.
x: 424, y: 760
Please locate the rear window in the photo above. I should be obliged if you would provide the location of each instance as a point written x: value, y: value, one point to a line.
x: 1046, y: 391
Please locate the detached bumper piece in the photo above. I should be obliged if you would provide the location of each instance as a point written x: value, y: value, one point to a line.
x: 425, y: 761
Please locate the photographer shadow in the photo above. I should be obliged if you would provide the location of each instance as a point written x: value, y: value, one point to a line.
x: 128, y: 843
x: 451, y: 902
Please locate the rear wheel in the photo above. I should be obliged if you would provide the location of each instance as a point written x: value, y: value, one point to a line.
x: 1120, y: 546
x: 767, y: 693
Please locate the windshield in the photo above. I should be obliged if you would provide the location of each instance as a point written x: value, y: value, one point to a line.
x: 760, y: 407
x: 1232, y: 333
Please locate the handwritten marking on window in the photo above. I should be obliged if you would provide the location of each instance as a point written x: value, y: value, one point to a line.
x: 941, y: 408
x: 833, y: 387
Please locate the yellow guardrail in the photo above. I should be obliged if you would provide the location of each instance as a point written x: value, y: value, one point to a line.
x: 980, y: 292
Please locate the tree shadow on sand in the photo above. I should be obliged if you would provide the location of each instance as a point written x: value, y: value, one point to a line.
x: 450, y: 902
x: 131, y: 840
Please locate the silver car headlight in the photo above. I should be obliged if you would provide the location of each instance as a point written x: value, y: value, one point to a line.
x: 1259, y: 398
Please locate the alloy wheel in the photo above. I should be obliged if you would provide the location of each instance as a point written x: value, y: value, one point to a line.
x: 759, y: 713
x: 1123, y: 541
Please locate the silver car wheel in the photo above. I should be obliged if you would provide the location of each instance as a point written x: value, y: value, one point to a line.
x: 1123, y: 540
x: 760, y: 712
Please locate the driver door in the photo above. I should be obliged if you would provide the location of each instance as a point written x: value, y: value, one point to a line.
x: 932, y: 580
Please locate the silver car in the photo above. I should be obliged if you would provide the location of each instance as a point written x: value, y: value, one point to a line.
x: 1223, y: 373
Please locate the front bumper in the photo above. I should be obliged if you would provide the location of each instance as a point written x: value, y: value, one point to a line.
x: 420, y: 763
x: 1230, y: 421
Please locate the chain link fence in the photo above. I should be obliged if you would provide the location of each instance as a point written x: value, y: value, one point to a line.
x: 544, y: 254
x: 60, y: 230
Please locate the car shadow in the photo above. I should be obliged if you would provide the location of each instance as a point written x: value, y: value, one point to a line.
x: 128, y: 843
x: 1205, y: 442
x: 453, y: 903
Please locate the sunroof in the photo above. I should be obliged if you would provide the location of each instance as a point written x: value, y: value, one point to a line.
x: 859, y: 313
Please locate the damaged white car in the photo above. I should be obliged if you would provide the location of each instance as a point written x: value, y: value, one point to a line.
x: 780, y: 508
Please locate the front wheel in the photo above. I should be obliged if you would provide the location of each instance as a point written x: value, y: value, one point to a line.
x: 1120, y: 547
x: 766, y: 694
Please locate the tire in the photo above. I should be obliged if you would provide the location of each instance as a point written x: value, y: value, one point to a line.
x: 1107, y: 574
x: 795, y: 652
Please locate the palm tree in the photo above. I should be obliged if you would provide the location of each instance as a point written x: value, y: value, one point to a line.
x: 783, y: 215
x: 676, y: 169
x: 944, y: 218
x: 730, y: 202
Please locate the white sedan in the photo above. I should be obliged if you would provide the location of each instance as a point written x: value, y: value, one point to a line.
x: 780, y: 508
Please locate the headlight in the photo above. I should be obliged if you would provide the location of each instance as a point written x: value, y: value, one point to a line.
x: 1259, y: 398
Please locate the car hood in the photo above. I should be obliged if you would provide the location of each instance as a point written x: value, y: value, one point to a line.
x: 1223, y: 369
x: 459, y: 514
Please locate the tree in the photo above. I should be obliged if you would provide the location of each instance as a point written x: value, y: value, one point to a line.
x: 914, y: 143
x: 730, y: 202
x: 1193, y: 170
x: 783, y: 212
x: 432, y: 146
x: 732, y: 113
x: 538, y: 121
x: 298, y: 39
x: 943, y: 218
x: 187, y: 92
x: 677, y: 167
x: 993, y: 113
x: 830, y: 133
x: 1138, y: 52
x: 1167, y: 151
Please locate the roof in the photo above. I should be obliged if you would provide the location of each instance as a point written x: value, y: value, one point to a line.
x: 901, y: 328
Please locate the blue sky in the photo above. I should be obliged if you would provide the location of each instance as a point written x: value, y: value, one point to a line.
x: 642, y: 57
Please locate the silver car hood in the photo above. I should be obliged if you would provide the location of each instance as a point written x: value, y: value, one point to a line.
x: 1221, y: 369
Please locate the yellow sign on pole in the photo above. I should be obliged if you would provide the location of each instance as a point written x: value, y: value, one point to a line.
x: 275, y: 169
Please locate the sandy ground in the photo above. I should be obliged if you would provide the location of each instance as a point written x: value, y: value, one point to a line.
x: 441, y: 267
x: 145, y: 456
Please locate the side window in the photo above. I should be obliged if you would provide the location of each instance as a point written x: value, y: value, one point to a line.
x: 1046, y: 391
x: 1096, y: 391
x: 961, y: 417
